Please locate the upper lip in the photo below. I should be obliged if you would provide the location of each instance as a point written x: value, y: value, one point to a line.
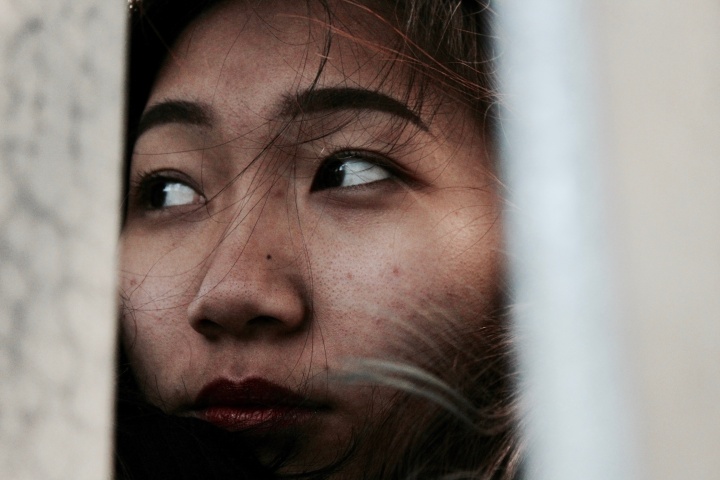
x: 251, y: 392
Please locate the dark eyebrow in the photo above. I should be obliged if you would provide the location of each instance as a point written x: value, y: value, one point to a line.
x: 324, y: 99
x: 174, y: 111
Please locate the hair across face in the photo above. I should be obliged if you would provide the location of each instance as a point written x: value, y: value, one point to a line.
x: 311, y: 254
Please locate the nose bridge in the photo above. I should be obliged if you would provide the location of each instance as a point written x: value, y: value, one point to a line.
x: 259, y: 220
x: 257, y: 211
x: 252, y: 277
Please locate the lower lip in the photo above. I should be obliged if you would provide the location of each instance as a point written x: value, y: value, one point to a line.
x: 255, y: 418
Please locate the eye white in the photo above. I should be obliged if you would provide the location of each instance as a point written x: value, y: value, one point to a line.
x: 360, y: 172
x: 177, y: 193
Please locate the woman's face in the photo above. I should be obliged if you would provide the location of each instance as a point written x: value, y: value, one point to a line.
x: 282, y: 226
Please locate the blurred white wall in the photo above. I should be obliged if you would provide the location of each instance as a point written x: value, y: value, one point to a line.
x: 613, y: 139
x: 61, y: 88
x: 660, y: 69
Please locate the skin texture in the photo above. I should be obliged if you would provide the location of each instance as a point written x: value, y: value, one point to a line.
x: 262, y: 271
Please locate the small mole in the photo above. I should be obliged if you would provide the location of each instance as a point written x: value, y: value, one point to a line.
x: 269, y: 257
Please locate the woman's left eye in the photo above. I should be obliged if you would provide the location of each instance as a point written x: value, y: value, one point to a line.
x: 348, y: 170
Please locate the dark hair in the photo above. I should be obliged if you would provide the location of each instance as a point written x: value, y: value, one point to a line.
x: 469, y: 427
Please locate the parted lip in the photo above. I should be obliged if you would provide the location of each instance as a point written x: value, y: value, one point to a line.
x: 253, y: 403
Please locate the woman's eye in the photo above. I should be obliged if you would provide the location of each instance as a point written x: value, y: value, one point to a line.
x: 348, y: 170
x: 159, y: 193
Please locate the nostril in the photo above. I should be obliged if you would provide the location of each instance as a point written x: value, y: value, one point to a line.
x: 208, y: 328
x: 262, y: 320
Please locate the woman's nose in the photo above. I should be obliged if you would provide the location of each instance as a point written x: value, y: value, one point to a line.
x: 251, y: 282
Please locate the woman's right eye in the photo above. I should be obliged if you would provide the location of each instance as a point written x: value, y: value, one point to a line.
x: 163, y: 192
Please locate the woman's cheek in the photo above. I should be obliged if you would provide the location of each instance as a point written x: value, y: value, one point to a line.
x: 148, y: 328
x: 156, y: 287
x: 369, y: 303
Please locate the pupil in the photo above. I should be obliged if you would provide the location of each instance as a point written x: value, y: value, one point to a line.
x: 331, y: 175
x: 157, y: 195
x: 338, y: 173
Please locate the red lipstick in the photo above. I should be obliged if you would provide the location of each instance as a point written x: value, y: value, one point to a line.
x: 252, y: 404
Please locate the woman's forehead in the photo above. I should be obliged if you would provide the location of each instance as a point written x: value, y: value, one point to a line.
x: 250, y: 62
x: 240, y: 44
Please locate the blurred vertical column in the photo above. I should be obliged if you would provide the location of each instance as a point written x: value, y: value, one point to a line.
x: 612, y: 136
x: 578, y: 417
x: 61, y: 106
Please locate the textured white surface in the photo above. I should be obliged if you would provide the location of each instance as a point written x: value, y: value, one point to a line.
x: 61, y: 86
